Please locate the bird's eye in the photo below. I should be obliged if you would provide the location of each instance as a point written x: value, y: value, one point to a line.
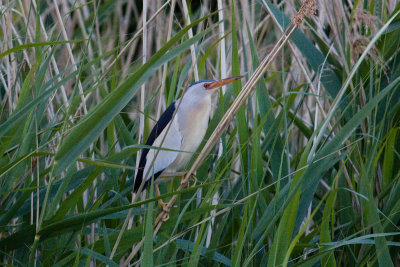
x: 206, y: 85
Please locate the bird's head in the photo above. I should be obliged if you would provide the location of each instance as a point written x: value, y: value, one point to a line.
x: 208, y: 87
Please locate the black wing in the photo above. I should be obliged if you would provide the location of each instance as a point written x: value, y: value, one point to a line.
x: 155, y: 132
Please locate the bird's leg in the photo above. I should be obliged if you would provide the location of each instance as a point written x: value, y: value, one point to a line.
x: 162, y: 204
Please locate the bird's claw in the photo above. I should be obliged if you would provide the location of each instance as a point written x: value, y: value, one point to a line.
x: 165, y: 208
x: 194, y: 179
x: 165, y: 217
x: 185, y: 183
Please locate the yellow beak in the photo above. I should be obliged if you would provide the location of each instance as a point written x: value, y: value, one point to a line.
x: 219, y: 83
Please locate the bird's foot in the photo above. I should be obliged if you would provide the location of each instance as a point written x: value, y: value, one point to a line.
x: 186, y: 183
x: 165, y: 208
x: 162, y: 204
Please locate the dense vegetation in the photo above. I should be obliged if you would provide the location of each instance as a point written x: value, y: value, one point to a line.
x: 306, y: 173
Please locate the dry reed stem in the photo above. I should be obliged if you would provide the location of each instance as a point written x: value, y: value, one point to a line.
x: 71, y: 56
x: 190, y: 34
x: 306, y: 10
x: 142, y: 91
x: 111, y: 65
x: 223, y: 74
x: 195, y: 71
x: 165, y: 70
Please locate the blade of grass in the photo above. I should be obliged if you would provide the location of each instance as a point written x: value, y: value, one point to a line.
x: 148, y: 237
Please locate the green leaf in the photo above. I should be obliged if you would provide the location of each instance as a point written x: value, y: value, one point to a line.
x: 98, y: 256
x: 218, y: 257
x: 148, y: 236
x: 241, y: 238
x: 38, y: 44
x: 240, y: 116
x: 271, y: 127
x: 389, y: 158
x: 325, y: 237
x: 285, y: 229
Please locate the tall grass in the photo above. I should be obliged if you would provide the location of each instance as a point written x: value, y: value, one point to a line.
x: 306, y: 172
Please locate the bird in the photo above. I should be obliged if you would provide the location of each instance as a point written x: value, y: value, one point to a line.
x: 178, y: 132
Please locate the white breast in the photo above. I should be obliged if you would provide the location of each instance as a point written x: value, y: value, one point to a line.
x: 193, y: 122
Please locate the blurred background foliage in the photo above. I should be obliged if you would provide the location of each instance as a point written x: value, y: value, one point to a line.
x: 307, y: 173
